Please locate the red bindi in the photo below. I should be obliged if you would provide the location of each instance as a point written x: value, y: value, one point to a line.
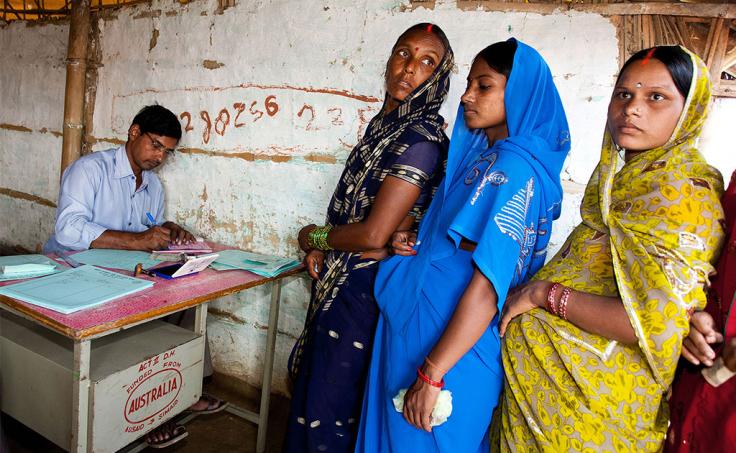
x: 416, y: 48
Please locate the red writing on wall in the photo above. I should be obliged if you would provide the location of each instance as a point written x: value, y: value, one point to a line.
x: 243, y: 114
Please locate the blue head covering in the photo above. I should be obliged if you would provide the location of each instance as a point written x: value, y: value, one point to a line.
x: 513, y: 193
x: 536, y: 122
x: 539, y: 137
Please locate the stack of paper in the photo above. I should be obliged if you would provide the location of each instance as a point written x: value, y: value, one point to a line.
x: 263, y: 265
x: 75, y: 289
x: 115, y: 259
x: 27, y: 266
x: 20, y: 269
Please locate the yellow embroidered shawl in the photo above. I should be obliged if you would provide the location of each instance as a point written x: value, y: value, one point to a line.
x: 650, y: 234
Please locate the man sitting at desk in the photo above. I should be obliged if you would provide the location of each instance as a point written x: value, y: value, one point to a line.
x: 111, y: 199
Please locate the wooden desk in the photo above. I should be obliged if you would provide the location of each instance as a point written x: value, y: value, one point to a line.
x: 164, y: 298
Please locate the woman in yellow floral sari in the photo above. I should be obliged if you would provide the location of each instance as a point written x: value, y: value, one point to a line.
x: 590, y: 372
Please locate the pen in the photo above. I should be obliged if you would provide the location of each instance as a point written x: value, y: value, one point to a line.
x: 150, y: 217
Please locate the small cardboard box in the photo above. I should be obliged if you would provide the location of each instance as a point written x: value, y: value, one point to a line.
x: 140, y: 377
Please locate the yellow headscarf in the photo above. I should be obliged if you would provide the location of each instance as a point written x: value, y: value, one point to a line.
x: 663, y: 220
x: 649, y: 236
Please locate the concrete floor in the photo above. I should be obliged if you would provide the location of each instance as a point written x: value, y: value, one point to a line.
x: 222, y: 432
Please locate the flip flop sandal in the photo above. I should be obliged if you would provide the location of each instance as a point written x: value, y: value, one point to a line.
x: 214, y: 405
x: 178, y: 433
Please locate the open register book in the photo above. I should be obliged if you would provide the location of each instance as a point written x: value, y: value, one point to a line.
x: 75, y: 289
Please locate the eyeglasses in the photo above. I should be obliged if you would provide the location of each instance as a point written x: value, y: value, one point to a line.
x: 158, y: 146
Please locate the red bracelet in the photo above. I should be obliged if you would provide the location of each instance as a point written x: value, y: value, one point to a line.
x: 551, y: 302
x: 429, y: 381
x: 563, y: 302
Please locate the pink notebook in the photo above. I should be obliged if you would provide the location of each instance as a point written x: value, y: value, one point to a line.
x: 194, y: 248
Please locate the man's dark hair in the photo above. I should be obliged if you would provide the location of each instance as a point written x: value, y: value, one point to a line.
x: 158, y: 120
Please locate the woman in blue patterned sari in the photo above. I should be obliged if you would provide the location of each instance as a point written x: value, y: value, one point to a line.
x: 485, y: 232
x: 387, y: 184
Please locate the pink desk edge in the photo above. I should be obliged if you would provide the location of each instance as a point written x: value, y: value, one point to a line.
x: 165, y: 296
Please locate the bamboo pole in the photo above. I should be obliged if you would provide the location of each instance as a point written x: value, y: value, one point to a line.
x: 708, y: 48
x: 76, y: 67
x: 720, y: 43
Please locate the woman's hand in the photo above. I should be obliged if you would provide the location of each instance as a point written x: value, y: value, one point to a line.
x: 521, y: 300
x: 402, y: 243
x: 314, y: 261
x: 696, y: 347
x: 304, y: 237
x: 419, y: 402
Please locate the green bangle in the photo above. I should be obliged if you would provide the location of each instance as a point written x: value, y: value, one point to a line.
x: 317, y: 238
x: 321, y: 241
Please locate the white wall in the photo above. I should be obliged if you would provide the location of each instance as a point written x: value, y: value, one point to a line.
x: 716, y: 141
x: 254, y: 185
x: 32, y: 75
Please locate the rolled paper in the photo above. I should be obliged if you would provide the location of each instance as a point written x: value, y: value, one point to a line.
x: 718, y: 373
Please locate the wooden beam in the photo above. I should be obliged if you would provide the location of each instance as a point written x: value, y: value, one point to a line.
x: 729, y: 59
x: 649, y: 33
x: 39, y: 12
x: 719, y: 43
x: 659, y: 31
x: 619, y: 22
x: 682, y: 34
x: 713, y: 32
x: 723, y: 10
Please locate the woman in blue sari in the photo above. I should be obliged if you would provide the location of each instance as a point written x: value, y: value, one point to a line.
x: 388, y: 182
x: 485, y: 232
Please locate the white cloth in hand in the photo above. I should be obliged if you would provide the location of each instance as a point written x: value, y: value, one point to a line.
x: 440, y: 413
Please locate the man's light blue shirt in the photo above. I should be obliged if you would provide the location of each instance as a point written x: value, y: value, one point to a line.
x: 98, y: 193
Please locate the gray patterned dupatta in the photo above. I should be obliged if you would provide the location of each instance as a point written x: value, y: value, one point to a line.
x: 388, y: 135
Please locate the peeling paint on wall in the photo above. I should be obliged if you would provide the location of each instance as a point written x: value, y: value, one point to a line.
x: 222, y: 314
x: 14, y: 127
x: 148, y: 14
x: 154, y: 39
x: 26, y: 196
x: 92, y: 140
x: 212, y: 64
x: 19, y: 128
x: 414, y: 4
x: 32, y: 90
x: 44, y: 130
